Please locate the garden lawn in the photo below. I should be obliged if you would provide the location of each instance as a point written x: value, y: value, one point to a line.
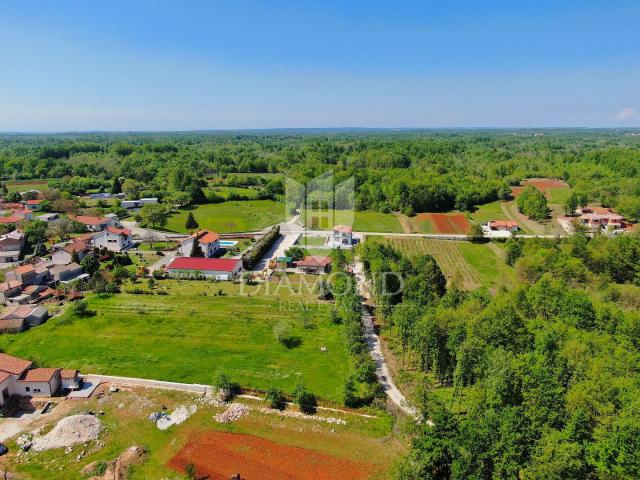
x: 235, y: 216
x: 189, y: 337
x: 488, y: 262
x: 360, y: 220
x: 225, y: 191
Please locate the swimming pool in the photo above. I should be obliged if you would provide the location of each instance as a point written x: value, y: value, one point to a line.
x: 228, y: 243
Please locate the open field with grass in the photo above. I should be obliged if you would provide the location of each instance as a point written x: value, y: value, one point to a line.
x: 23, y: 185
x: 360, y: 220
x: 467, y: 264
x: 197, y: 329
x: 367, y: 440
x: 225, y: 191
x: 235, y: 216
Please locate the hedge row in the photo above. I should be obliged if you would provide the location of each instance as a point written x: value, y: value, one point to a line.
x: 252, y: 256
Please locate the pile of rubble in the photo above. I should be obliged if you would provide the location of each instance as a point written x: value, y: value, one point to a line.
x: 67, y: 432
x: 233, y: 413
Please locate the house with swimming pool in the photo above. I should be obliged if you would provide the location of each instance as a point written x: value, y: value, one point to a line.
x: 209, y: 244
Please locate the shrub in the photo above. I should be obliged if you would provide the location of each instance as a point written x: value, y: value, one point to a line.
x: 252, y: 256
x: 276, y: 398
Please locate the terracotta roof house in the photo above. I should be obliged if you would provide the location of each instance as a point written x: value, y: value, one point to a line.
x: 10, y: 246
x: 15, y: 325
x: 33, y: 204
x: 314, y: 264
x: 70, y: 379
x: 342, y: 236
x: 8, y: 289
x: 32, y: 314
x: 63, y: 255
x: 602, y: 219
x: 113, y: 238
x: 500, y: 228
x: 10, y: 219
x: 209, y: 243
x: 219, y: 268
x: 17, y: 378
x: 25, y: 274
x: 96, y: 224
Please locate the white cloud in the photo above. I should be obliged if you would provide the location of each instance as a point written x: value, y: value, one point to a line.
x: 625, y: 114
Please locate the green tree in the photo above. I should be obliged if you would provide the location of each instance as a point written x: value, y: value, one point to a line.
x: 533, y: 203
x: 196, y: 249
x: 191, y: 223
x: 154, y: 214
x: 276, y: 398
x: 90, y: 263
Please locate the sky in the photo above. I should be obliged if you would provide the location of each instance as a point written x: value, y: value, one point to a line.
x: 194, y: 65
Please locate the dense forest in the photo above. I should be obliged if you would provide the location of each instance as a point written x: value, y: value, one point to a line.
x: 538, y: 382
x: 405, y: 171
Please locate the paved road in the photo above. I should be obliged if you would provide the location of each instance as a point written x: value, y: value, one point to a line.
x: 373, y: 343
x: 289, y: 233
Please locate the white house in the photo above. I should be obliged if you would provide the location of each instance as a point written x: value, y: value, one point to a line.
x: 500, y: 228
x: 342, y: 236
x: 10, y: 246
x: 219, y: 268
x: 33, y: 205
x: 97, y: 224
x: 113, y: 238
x: 209, y: 243
x: 17, y: 378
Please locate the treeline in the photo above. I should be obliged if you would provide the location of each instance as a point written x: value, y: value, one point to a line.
x: 408, y: 172
x: 539, y: 382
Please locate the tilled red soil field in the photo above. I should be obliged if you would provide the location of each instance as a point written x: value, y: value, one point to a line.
x: 455, y: 223
x: 219, y: 455
x: 544, y: 183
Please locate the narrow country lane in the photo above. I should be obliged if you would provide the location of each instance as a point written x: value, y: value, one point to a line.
x: 375, y: 349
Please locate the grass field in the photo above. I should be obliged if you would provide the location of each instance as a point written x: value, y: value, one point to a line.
x: 225, y: 191
x: 235, y: 216
x: 191, y: 333
x: 467, y: 264
x: 22, y: 185
x: 363, y: 221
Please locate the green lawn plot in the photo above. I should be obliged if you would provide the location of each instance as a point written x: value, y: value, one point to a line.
x: 235, y: 216
x: 558, y: 195
x: 488, y: 261
x: 155, y: 246
x: 197, y: 329
x: 363, y: 220
x: 311, y: 241
x: 225, y: 191
x: 24, y: 185
x: 506, y: 210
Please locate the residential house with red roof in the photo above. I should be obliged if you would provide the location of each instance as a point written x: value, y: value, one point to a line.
x: 342, y: 236
x: 114, y: 239
x: 500, y: 228
x: 209, y: 243
x: 33, y: 205
x: 218, y: 268
x: 316, y: 264
x: 96, y: 224
x: 18, y: 378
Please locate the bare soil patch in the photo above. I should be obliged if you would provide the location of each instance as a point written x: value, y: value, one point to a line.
x: 221, y: 455
x: 454, y: 223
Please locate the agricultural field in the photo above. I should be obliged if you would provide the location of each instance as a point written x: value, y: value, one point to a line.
x: 363, y: 221
x: 235, y: 216
x: 22, y: 185
x: 556, y: 191
x: 261, y: 336
x: 364, y: 445
x: 467, y: 264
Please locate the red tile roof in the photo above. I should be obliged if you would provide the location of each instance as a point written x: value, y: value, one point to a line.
x: 68, y: 373
x: 202, y: 264
x: 204, y: 236
x: 4, y: 286
x: 22, y: 311
x: 314, y: 261
x: 33, y: 202
x: 39, y: 375
x: 119, y: 231
x: 11, y: 364
x: 76, y: 246
x: 90, y: 220
x: 4, y: 376
x: 342, y: 229
x: 503, y: 223
x: 11, y: 219
x: 25, y: 269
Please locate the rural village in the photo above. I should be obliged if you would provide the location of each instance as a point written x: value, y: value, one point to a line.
x: 62, y: 265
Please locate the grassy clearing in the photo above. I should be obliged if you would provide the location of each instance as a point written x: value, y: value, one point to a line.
x: 225, y: 191
x: 200, y: 328
x: 468, y: 264
x: 125, y: 421
x: 558, y: 195
x: 23, y: 185
x: 306, y: 241
x: 155, y: 246
x: 235, y: 216
x: 362, y: 221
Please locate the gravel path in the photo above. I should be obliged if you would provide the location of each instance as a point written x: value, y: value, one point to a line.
x: 373, y: 343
